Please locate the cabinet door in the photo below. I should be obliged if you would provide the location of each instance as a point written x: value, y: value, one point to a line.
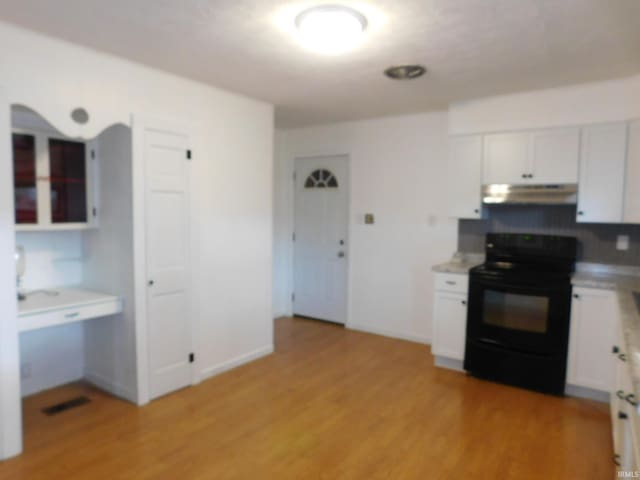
x: 449, y: 325
x: 632, y: 177
x: 593, y: 334
x: 464, y: 174
x: 25, y: 179
x: 555, y: 155
x: 68, y: 179
x: 602, y: 164
x: 507, y: 158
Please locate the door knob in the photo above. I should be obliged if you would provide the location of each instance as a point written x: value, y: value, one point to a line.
x: 340, y: 254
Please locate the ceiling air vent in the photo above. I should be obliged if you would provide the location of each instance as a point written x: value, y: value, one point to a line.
x: 405, y: 72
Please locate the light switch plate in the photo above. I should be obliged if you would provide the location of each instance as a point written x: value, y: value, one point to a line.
x: 623, y: 242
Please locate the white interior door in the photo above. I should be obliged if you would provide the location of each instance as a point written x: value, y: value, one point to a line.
x: 321, y: 243
x: 167, y: 240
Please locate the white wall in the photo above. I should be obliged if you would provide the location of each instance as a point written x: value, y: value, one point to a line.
x: 598, y: 102
x: 53, y: 259
x: 54, y: 356
x: 10, y: 407
x: 232, y: 186
x: 110, y: 353
x: 51, y: 357
x: 397, y: 166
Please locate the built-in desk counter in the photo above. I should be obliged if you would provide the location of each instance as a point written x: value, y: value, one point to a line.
x: 43, y: 309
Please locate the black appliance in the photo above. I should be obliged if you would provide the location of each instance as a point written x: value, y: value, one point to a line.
x: 519, y: 311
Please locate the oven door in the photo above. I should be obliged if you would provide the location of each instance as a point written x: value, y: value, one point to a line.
x: 518, y: 314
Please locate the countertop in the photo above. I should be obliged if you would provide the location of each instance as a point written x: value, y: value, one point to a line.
x: 460, y: 263
x: 43, y: 301
x: 61, y: 306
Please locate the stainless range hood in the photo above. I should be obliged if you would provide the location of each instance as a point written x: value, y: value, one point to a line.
x: 500, y: 194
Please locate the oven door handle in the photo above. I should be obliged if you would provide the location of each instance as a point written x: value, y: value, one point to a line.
x: 489, y: 341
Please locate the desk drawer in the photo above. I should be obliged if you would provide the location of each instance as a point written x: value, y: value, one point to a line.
x: 69, y: 315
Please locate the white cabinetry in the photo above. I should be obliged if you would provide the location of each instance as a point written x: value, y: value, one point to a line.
x: 534, y: 157
x: 594, y: 314
x: 625, y: 421
x: 555, y: 155
x: 450, y: 316
x: 53, y: 180
x: 506, y: 158
x: 631, y: 212
x: 464, y: 173
x: 602, y: 172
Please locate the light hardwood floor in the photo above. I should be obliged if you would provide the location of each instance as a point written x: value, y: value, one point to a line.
x: 329, y: 404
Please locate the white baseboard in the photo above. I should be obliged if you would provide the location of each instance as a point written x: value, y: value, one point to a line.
x: 450, y: 363
x: 277, y: 315
x: 113, y: 388
x: 235, y: 362
x: 388, y: 333
x: 588, y: 393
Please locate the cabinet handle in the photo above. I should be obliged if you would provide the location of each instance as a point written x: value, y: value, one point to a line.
x: 615, y: 349
x: 620, y: 394
x: 450, y: 282
x: 623, y: 357
x: 580, y: 213
x: 524, y: 175
x: 151, y: 282
x: 575, y: 295
x: 476, y: 211
x: 622, y: 415
x: 464, y: 302
x: 631, y: 398
x: 531, y: 175
x: 616, y: 460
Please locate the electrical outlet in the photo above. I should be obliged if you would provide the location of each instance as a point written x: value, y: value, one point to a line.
x: 623, y: 242
x: 25, y: 371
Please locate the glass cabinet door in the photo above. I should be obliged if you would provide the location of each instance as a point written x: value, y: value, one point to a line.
x: 24, y: 179
x: 68, y: 175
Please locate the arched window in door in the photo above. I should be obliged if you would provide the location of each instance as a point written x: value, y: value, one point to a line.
x: 321, y: 178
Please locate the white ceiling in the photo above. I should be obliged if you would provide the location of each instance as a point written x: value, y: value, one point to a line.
x: 472, y: 48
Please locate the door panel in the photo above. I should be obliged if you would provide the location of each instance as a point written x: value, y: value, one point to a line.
x: 464, y: 173
x: 506, y: 158
x: 602, y: 165
x: 555, y: 155
x: 593, y: 333
x: 320, y: 248
x: 450, y: 325
x: 167, y: 180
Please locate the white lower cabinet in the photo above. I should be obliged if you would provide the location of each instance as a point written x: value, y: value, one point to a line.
x: 625, y: 420
x: 592, y: 335
x: 450, y: 316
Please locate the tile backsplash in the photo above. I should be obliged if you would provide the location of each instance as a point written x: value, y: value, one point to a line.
x: 597, y: 241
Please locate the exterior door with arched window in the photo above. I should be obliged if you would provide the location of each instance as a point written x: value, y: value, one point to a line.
x: 320, y: 241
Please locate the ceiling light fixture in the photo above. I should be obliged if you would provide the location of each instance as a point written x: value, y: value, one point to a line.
x: 405, y: 72
x: 330, y: 29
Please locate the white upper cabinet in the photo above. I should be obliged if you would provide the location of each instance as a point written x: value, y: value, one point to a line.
x: 632, y: 178
x: 52, y: 182
x: 555, y: 155
x: 602, y: 172
x: 506, y: 158
x: 544, y: 157
x: 464, y: 173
